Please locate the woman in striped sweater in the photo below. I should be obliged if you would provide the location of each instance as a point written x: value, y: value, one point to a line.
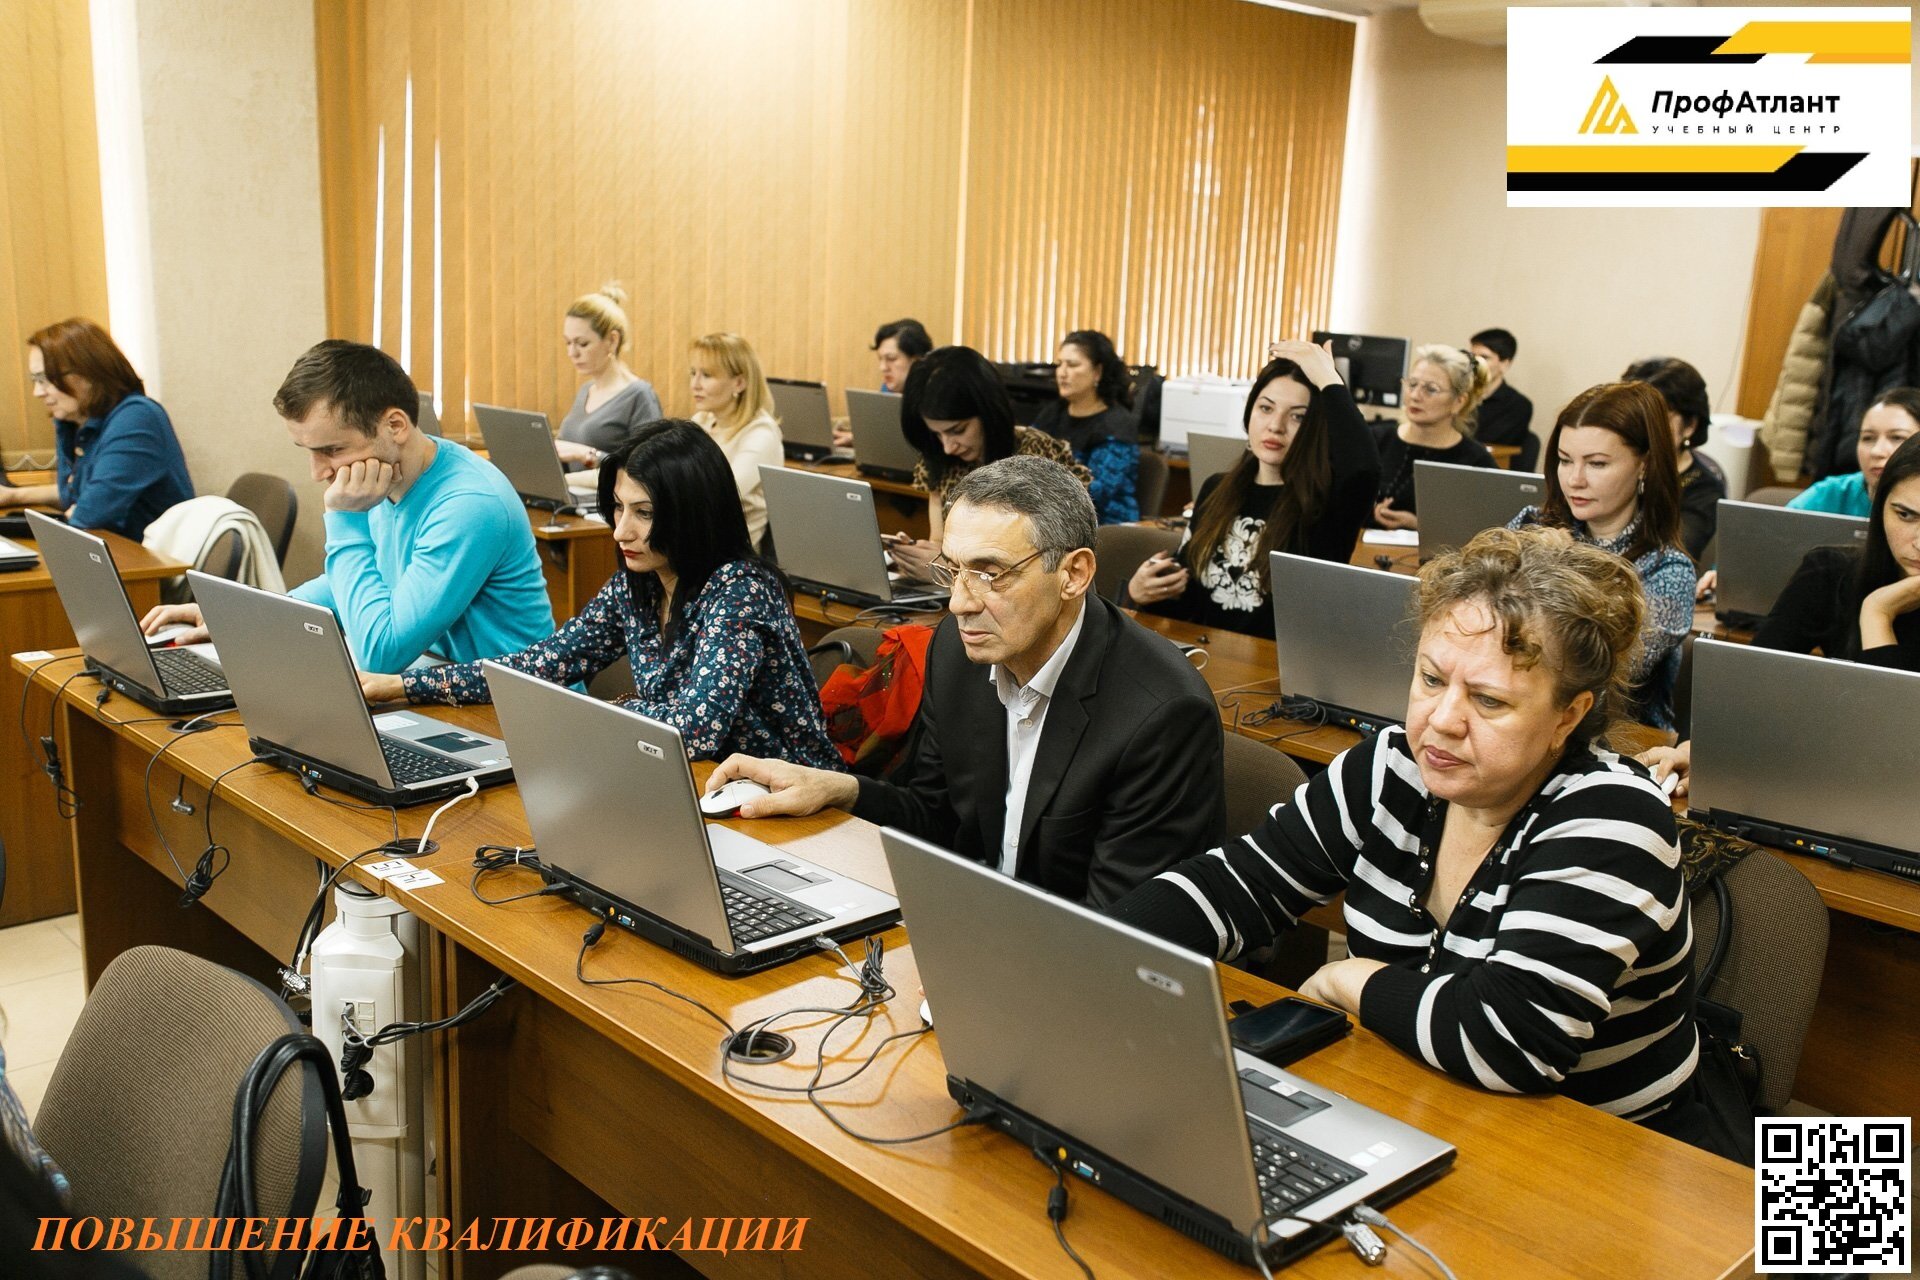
x: 1514, y: 904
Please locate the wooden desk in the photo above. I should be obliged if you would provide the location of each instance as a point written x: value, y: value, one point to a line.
x: 577, y: 557
x: 39, y: 877
x: 27, y: 479
x: 589, y: 1101
x: 1504, y: 454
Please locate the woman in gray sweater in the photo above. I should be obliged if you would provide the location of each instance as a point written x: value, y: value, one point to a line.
x: 612, y: 400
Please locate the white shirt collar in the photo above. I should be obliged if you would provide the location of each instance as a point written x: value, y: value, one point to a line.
x: 1044, y: 680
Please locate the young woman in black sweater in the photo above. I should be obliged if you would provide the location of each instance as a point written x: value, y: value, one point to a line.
x: 1305, y: 485
x: 1862, y: 605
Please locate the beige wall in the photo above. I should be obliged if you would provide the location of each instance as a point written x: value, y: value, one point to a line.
x: 226, y: 111
x: 1429, y: 250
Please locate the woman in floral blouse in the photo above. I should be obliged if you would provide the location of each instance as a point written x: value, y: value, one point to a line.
x: 714, y: 647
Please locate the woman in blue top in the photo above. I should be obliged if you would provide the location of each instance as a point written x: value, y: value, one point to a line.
x: 1613, y: 483
x: 1094, y: 416
x: 1893, y: 417
x: 118, y: 464
x: 714, y: 648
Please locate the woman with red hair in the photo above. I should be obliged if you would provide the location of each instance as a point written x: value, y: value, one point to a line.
x: 118, y: 464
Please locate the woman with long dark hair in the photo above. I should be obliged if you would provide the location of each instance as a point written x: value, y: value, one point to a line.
x: 954, y: 410
x: 1305, y: 485
x: 1862, y: 605
x: 704, y: 622
x: 1612, y: 482
x: 1094, y: 415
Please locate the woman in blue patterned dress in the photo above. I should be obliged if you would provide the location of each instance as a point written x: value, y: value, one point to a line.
x: 705, y: 623
x: 1094, y: 415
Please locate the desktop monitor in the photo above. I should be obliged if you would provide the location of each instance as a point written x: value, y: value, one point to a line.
x: 1372, y: 367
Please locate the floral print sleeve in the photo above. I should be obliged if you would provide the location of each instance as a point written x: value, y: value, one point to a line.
x: 1115, y: 465
x: 1667, y: 578
x: 591, y: 641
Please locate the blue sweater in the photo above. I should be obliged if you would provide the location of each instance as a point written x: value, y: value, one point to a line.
x: 120, y: 471
x: 451, y: 568
x: 733, y: 678
x: 1844, y: 495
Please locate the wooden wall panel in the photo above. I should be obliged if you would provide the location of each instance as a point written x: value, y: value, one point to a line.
x: 797, y: 170
x: 52, y: 244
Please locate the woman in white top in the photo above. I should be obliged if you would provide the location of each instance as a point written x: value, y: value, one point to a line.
x: 613, y: 400
x: 732, y: 401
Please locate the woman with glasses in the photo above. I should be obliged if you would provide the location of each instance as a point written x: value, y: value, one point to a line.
x: 954, y: 410
x: 1304, y: 485
x: 703, y: 621
x: 117, y: 464
x: 1439, y: 397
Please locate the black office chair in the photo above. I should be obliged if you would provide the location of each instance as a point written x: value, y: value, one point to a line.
x: 1151, y: 484
x: 272, y: 500
x: 1528, y: 458
x: 849, y: 646
x: 224, y: 558
x: 1119, y: 549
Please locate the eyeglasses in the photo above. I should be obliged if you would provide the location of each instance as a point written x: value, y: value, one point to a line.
x: 1410, y: 386
x: 945, y: 574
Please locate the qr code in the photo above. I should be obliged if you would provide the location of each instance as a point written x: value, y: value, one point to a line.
x: 1833, y: 1194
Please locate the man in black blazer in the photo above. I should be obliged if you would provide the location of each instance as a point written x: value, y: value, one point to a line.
x: 1057, y: 739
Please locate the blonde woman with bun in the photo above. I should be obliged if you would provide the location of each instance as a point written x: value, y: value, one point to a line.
x: 613, y: 400
x: 1439, y: 396
x: 732, y: 401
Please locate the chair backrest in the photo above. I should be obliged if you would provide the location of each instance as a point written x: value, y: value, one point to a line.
x: 613, y: 682
x: 1775, y: 956
x: 226, y: 556
x: 139, y: 1111
x: 273, y: 500
x: 1119, y: 549
x: 855, y: 646
x: 1259, y: 776
x: 1151, y: 485
x: 1774, y: 495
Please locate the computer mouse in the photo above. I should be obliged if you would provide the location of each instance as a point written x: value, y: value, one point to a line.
x: 726, y: 802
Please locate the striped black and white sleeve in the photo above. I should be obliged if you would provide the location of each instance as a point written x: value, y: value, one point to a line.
x: 1597, y: 893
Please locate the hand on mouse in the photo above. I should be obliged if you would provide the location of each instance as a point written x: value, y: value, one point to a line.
x: 796, y: 790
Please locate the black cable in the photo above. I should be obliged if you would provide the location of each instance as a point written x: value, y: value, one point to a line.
x: 489, y: 858
x: 66, y: 801
x: 356, y: 1050
x: 312, y: 788
x: 36, y: 669
x: 1057, y: 1207
x: 187, y: 730
x: 592, y: 936
x: 292, y: 978
x: 205, y: 870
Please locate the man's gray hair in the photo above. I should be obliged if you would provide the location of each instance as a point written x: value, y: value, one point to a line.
x: 1058, y: 509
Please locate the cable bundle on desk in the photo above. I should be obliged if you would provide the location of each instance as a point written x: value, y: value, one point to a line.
x: 66, y: 802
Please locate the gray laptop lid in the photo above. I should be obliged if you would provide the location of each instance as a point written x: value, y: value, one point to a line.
x: 521, y: 444
x: 429, y: 417
x: 1760, y: 546
x: 13, y: 553
x: 95, y: 600
x: 826, y: 529
x: 291, y: 675
x: 803, y: 413
x: 1342, y: 635
x: 874, y: 417
x: 1813, y: 743
x: 1123, y: 1044
x: 610, y: 799
x: 1458, y: 502
x: 1208, y: 454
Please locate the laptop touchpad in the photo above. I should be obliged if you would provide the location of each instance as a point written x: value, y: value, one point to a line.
x: 453, y: 742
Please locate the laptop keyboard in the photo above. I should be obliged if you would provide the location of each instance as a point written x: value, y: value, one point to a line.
x: 411, y: 765
x: 186, y: 672
x: 1290, y: 1172
x: 755, y: 915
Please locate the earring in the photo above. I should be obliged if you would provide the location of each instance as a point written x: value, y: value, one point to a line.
x: 1640, y: 485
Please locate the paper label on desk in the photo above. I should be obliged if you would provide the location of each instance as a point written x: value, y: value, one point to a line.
x: 1391, y: 537
x: 35, y: 655
x: 389, y: 868
x: 394, y: 720
x: 414, y: 879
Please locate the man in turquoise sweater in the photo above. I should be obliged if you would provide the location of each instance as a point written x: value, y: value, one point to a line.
x: 429, y: 550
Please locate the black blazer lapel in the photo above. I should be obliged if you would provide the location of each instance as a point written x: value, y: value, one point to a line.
x: 986, y: 734
x: 1067, y: 718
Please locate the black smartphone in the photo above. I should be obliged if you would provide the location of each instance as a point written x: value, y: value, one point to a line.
x: 1287, y: 1030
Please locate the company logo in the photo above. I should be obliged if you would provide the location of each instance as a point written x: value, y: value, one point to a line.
x: 314, y: 627
x: 648, y: 749
x: 1607, y: 114
x: 1154, y: 978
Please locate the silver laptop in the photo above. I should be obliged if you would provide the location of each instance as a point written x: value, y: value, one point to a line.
x: 14, y: 556
x: 611, y: 802
x: 299, y: 692
x: 520, y: 443
x: 1343, y: 637
x: 1458, y: 502
x: 1810, y: 754
x: 879, y: 446
x: 1085, y: 1035
x: 428, y: 419
x: 1760, y: 546
x: 806, y: 423
x: 829, y: 539
x: 1209, y: 454
x: 171, y: 681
